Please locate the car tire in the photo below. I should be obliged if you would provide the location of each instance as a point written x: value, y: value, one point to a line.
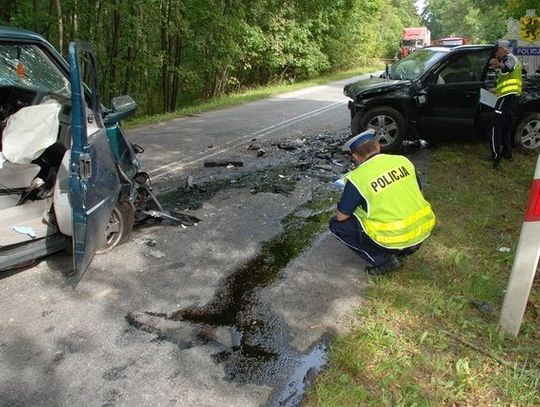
x: 527, y: 133
x: 388, y: 123
x: 120, y: 226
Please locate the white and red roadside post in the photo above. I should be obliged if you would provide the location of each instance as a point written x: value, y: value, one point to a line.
x: 525, y: 263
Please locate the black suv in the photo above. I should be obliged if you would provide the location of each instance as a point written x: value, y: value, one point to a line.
x: 434, y: 94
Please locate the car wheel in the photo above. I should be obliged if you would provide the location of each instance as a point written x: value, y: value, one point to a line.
x: 528, y: 131
x: 119, y: 227
x: 388, y: 124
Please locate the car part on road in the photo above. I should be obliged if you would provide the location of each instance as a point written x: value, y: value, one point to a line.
x: 223, y: 163
x: 528, y: 131
x: 147, y: 199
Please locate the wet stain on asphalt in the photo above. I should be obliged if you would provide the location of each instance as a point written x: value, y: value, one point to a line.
x: 252, y: 341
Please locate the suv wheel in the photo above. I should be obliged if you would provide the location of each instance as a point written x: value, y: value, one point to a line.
x: 528, y: 131
x: 388, y: 124
x: 119, y: 227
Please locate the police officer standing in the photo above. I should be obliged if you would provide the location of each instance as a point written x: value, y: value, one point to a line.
x: 382, y: 212
x: 509, y: 84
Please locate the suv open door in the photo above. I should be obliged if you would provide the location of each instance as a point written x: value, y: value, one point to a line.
x: 93, y: 178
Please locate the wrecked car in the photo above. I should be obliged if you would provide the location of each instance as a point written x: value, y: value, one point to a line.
x: 434, y: 94
x: 68, y: 176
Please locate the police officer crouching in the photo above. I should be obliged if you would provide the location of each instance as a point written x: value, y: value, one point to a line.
x: 382, y: 212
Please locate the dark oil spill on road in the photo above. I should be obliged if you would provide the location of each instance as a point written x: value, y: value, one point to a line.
x: 272, y: 179
x: 257, y: 348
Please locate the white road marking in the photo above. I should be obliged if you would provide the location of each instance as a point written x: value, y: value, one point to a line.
x: 195, y: 158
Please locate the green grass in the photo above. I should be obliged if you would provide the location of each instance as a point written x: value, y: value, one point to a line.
x: 246, y: 96
x: 419, y: 341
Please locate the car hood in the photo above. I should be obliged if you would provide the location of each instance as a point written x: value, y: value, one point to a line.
x: 531, y: 89
x: 372, y: 86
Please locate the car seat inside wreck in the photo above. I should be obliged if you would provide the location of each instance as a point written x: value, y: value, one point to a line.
x: 34, y: 141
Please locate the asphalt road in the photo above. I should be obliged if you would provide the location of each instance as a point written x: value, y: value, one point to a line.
x: 121, y: 335
x: 176, y: 146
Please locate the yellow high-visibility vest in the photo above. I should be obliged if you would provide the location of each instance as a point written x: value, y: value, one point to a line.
x: 510, y: 82
x: 397, y: 214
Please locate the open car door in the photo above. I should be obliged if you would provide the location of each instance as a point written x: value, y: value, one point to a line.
x: 93, y: 178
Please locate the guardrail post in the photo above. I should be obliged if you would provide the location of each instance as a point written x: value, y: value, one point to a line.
x: 525, y: 263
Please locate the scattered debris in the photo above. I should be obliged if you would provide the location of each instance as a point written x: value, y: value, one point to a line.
x: 150, y: 242
x: 324, y: 167
x: 504, y: 249
x: 260, y: 152
x: 25, y: 230
x: 482, y: 306
x: 293, y: 145
x: 223, y: 163
x: 155, y: 253
x: 324, y: 156
x: 189, y: 183
x: 288, y: 147
x: 254, y: 147
x: 284, y: 189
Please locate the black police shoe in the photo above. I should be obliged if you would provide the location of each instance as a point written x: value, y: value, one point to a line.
x: 390, y: 264
x: 409, y: 250
x: 496, y: 164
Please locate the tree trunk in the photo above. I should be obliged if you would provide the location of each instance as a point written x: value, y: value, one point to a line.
x: 60, y: 21
x: 116, y: 30
x: 176, y: 78
x: 165, y: 40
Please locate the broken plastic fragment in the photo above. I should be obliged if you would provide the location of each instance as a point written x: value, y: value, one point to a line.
x: 156, y: 253
x: 340, y: 183
x: 25, y: 230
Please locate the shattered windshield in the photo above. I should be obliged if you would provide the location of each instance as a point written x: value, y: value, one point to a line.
x: 414, y: 65
x: 29, y: 66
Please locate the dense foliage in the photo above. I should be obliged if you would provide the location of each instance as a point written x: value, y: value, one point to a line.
x: 479, y: 20
x: 167, y: 53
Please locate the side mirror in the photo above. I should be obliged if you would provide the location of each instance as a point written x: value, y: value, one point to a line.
x: 121, y: 107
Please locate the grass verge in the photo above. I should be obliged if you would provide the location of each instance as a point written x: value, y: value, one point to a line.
x: 247, y: 96
x: 427, y: 334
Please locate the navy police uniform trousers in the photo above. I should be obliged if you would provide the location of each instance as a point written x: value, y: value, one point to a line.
x: 351, y: 233
x: 501, y: 131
